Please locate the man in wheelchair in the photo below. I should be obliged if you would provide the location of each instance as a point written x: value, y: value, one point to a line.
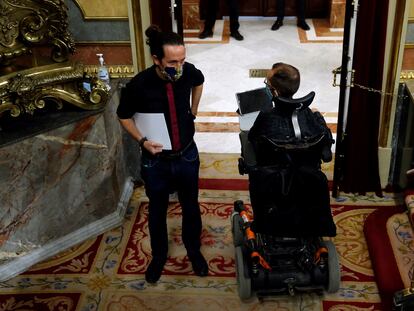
x: 280, y: 248
x: 293, y: 140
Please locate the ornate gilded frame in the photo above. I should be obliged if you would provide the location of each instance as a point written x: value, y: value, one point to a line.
x: 23, y: 89
x: 26, y: 23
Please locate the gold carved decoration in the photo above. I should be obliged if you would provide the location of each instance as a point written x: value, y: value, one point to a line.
x: 30, y: 22
x: 407, y: 75
x: 27, y: 90
x: 115, y: 71
x: 24, y: 24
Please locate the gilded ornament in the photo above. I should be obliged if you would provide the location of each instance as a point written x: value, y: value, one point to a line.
x: 23, y: 25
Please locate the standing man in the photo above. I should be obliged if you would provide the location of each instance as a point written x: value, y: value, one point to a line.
x: 212, y: 8
x: 166, y: 87
x: 280, y: 7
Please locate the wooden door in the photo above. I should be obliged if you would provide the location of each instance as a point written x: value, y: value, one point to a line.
x: 251, y: 7
x: 161, y: 14
x: 314, y: 8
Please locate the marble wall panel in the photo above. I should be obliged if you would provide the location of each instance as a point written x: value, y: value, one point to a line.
x: 113, y: 54
x: 59, y: 182
x: 408, y: 59
x: 337, y: 14
x: 95, y: 30
x: 410, y: 33
x: 191, y: 14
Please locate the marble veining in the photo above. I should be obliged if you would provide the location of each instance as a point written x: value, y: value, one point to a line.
x: 72, y: 180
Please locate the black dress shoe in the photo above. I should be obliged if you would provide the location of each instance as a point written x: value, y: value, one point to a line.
x: 205, y: 34
x: 277, y: 24
x: 302, y: 24
x: 154, y: 270
x: 199, y: 264
x: 236, y: 35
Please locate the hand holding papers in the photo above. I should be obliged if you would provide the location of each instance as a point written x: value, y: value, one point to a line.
x: 154, y: 127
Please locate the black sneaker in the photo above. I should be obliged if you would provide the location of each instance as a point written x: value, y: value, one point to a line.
x: 199, y: 264
x: 154, y: 269
x: 205, y: 34
x: 302, y: 24
x: 277, y: 24
x: 236, y: 35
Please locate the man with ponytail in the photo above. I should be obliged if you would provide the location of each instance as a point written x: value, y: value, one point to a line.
x: 173, y: 87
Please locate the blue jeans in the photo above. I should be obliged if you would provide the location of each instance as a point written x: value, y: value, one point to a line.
x: 161, y: 175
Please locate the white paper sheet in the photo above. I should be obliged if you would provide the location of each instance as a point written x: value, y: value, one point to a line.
x: 247, y: 120
x: 154, y: 127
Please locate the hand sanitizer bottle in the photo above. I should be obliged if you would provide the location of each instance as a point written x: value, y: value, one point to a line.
x: 103, y: 74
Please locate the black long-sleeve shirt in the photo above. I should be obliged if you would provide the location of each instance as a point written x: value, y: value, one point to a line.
x: 147, y: 93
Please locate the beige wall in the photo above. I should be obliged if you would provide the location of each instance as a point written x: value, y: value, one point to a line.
x: 411, y: 13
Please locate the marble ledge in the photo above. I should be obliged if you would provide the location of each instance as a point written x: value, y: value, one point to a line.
x: 61, y: 187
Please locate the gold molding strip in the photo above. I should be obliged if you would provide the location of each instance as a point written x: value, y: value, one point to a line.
x: 138, y: 31
x: 407, y: 75
x: 391, y: 73
x: 258, y: 73
x: 104, y: 43
x: 115, y: 71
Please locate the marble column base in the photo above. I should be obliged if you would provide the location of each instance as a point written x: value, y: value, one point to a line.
x: 21, y: 263
x: 337, y: 14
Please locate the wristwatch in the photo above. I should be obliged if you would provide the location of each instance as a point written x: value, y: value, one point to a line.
x: 142, y: 141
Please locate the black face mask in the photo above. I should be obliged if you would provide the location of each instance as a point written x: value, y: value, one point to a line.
x: 172, y: 73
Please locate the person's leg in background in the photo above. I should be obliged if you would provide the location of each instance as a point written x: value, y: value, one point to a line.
x: 186, y: 173
x: 212, y: 8
x: 280, y: 7
x: 301, y: 15
x: 234, y: 19
x: 155, y: 173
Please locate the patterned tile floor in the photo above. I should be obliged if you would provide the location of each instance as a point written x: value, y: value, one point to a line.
x: 226, y: 64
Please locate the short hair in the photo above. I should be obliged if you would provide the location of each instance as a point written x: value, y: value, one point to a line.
x: 285, y: 79
x: 156, y: 39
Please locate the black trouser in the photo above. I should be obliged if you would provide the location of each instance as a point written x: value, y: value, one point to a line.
x: 160, y: 174
x: 280, y: 6
x: 212, y: 8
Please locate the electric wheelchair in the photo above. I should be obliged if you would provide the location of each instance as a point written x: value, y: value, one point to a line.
x: 279, y: 247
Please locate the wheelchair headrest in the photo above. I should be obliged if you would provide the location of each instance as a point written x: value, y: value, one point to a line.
x: 294, y: 103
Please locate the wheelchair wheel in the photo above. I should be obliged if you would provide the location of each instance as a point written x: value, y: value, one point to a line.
x: 244, y: 284
x: 333, y: 268
x: 237, y: 229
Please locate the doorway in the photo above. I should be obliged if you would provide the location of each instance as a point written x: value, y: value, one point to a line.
x: 232, y: 66
x: 217, y: 118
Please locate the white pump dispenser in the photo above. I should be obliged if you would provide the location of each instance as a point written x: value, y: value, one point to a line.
x: 103, y: 74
